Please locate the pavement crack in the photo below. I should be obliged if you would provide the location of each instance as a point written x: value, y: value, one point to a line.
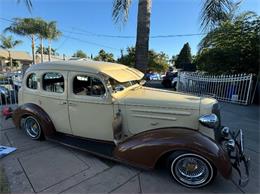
x: 26, y: 174
x: 63, y: 180
x: 84, y: 180
x: 122, y: 184
x: 7, y: 138
x: 139, y: 180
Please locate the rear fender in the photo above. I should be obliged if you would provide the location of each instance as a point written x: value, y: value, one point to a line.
x: 146, y: 148
x: 36, y: 111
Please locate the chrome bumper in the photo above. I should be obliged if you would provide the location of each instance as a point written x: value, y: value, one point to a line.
x: 233, y: 142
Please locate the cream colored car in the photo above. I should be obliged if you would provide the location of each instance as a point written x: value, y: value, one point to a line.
x: 104, y: 109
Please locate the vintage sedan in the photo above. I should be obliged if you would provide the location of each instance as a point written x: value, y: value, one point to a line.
x: 104, y: 109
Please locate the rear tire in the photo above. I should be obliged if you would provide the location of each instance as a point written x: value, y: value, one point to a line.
x: 191, y: 170
x: 32, y: 127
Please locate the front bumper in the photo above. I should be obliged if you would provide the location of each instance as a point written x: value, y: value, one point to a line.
x: 233, y: 143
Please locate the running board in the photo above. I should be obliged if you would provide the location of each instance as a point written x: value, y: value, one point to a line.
x: 100, y: 148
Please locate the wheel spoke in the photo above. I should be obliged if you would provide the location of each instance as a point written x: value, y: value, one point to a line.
x: 191, y: 170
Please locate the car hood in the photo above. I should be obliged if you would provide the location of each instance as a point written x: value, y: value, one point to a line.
x: 145, y: 96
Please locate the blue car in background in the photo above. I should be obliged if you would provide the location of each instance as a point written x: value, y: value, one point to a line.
x: 152, y: 76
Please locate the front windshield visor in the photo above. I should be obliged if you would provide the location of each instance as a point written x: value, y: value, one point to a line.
x: 124, y: 74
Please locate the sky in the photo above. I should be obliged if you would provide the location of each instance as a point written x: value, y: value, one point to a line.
x: 81, y: 21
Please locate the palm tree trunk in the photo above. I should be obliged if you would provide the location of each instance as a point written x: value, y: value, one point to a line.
x: 143, y: 31
x: 49, y: 50
x: 41, y: 50
x: 11, y: 60
x: 33, y: 56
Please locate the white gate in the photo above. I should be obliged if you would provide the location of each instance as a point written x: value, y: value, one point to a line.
x: 227, y: 88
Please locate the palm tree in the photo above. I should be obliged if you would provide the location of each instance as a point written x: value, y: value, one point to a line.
x: 25, y: 27
x: 212, y: 13
x: 9, y: 43
x: 28, y: 4
x: 120, y: 13
x: 52, y: 33
x: 42, y: 33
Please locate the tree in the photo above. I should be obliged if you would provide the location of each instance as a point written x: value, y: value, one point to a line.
x: 104, y: 56
x: 233, y: 47
x: 184, y: 56
x: 9, y: 43
x: 25, y: 27
x: 79, y: 54
x: 120, y: 13
x: 42, y: 33
x: 156, y: 61
x: 129, y: 58
x: 214, y: 12
x: 52, y: 33
x: 28, y: 4
x: 45, y: 51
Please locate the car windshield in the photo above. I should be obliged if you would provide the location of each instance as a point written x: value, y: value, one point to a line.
x: 117, y: 86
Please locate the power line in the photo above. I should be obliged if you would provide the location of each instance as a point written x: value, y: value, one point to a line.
x: 70, y: 37
x: 80, y: 32
x: 91, y: 43
x: 131, y: 37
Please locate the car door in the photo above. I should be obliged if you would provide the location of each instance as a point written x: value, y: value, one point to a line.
x: 53, y: 98
x: 90, y: 108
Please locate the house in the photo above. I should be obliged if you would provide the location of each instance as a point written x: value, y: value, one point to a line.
x: 19, y: 57
x: 46, y: 59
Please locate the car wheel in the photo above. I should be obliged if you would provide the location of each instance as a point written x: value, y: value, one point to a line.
x: 191, y: 170
x: 32, y: 127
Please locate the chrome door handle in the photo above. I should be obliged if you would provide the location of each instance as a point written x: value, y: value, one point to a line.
x: 63, y: 103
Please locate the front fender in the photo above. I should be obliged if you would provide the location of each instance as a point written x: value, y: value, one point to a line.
x: 146, y: 148
x: 36, y: 111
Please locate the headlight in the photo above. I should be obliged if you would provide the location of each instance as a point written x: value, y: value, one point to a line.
x: 209, y: 120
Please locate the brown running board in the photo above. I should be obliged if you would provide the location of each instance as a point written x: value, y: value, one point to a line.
x: 96, y: 147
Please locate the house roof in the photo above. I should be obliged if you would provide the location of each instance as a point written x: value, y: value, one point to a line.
x: 46, y: 58
x: 16, y: 55
x: 119, y: 72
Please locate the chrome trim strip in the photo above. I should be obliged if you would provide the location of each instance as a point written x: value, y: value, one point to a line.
x: 154, y: 117
x: 183, y: 113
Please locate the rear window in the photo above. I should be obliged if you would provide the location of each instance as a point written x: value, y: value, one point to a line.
x: 31, y: 81
x: 53, y: 82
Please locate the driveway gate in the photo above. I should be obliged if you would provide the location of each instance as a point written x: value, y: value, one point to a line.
x: 228, y: 88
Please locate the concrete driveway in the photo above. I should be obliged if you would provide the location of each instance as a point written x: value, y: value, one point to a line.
x: 45, y: 167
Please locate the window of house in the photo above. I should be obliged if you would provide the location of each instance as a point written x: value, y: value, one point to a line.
x: 53, y: 82
x: 31, y: 82
x: 87, y: 85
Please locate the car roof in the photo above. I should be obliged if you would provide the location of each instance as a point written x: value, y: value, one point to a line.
x: 119, y: 72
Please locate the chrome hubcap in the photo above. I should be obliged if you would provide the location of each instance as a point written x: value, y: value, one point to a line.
x: 32, y: 127
x: 191, y: 169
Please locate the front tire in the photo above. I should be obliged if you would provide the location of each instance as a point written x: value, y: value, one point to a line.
x: 32, y: 128
x: 191, y: 170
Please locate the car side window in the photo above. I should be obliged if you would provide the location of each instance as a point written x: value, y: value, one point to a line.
x: 31, y: 81
x: 53, y: 82
x: 88, y: 86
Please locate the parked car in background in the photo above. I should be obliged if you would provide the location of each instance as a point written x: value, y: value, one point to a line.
x: 5, y: 95
x: 170, y: 79
x: 104, y: 109
x: 152, y: 76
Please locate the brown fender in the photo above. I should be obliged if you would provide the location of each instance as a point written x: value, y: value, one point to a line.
x: 36, y: 111
x: 146, y: 148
